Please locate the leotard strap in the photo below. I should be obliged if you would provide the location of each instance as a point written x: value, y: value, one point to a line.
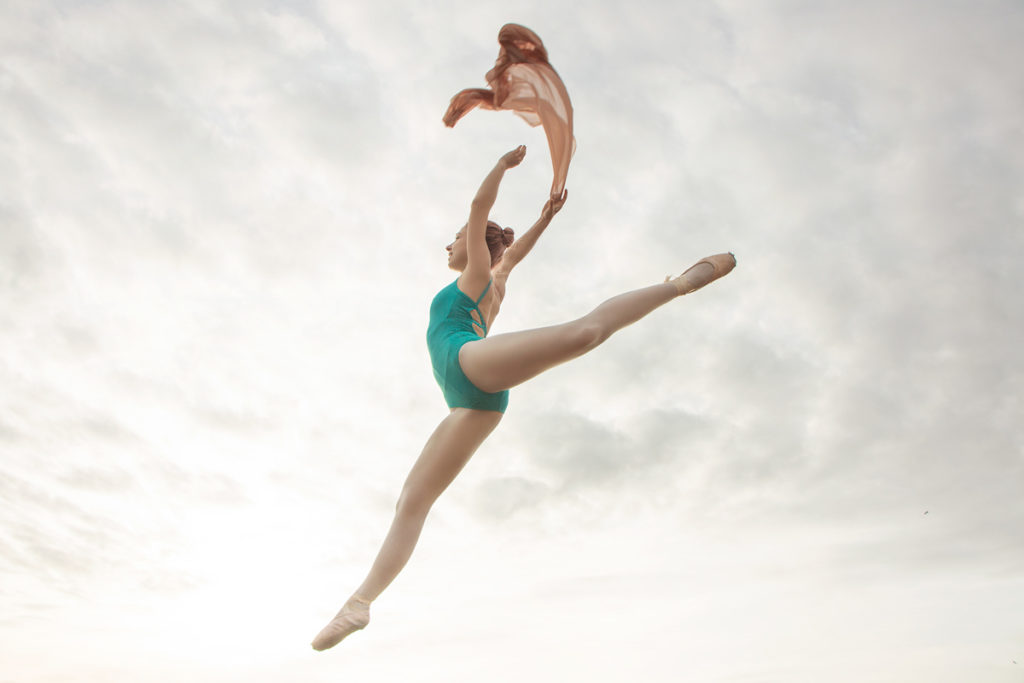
x: 484, y: 293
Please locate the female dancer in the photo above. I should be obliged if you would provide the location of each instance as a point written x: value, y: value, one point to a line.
x: 475, y: 371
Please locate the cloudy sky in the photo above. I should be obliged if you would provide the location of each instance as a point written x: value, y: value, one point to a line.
x: 221, y: 225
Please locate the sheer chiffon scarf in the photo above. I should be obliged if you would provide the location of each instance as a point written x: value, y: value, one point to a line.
x: 523, y: 81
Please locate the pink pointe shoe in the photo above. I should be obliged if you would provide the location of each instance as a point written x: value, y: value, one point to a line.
x: 693, y: 278
x: 354, y: 616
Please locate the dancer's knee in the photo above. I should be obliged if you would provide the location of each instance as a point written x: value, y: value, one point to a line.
x: 414, y: 502
x: 588, y: 332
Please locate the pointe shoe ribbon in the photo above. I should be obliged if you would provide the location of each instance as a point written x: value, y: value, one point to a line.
x: 721, y: 264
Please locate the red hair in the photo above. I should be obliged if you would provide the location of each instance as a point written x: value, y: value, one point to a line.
x: 498, y: 239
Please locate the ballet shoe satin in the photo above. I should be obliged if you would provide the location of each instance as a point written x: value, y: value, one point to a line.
x: 354, y: 616
x: 721, y: 264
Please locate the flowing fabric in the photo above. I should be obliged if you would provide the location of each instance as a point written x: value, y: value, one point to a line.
x: 523, y: 81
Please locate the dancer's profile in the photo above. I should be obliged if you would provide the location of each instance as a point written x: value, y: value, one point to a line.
x: 476, y: 371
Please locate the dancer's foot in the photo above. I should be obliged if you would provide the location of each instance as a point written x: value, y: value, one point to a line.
x: 355, y: 615
x: 703, y: 272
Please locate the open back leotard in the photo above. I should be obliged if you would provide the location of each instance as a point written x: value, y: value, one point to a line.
x: 451, y: 326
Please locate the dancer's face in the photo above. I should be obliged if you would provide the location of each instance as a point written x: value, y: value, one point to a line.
x: 457, y: 255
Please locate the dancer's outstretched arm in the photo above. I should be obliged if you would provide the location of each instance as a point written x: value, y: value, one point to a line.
x: 522, y: 246
x: 478, y: 265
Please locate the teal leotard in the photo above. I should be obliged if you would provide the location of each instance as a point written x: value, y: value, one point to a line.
x: 451, y: 326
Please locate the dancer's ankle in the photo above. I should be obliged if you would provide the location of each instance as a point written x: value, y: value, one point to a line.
x: 694, y: 278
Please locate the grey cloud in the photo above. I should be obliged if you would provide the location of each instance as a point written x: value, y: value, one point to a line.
x: 72, y: 474
x: 8, y: 433
x: 581, y: 455
x: 164, y: 582
x: 64, y: 552
x: 231, y: 418
x: 22, y: 255
x: 500, y: 497
x: 100, y: 480
x: 949, y: 541
x: 156, y: 129
x: 72, y: 526
x: 580, y: 450
x: 182, y: 485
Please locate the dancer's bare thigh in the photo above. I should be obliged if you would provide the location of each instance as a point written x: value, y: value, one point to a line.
x: 506, y: 360
x: 447, y: 451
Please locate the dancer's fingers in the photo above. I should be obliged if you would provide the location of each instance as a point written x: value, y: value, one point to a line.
x: 554, y: 204
x: 513, y: 158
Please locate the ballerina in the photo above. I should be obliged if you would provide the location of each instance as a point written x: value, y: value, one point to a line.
x: 475, y: 371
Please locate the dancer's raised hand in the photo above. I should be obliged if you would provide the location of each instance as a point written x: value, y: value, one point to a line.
x: 513, y: 158
x: 553, y: 206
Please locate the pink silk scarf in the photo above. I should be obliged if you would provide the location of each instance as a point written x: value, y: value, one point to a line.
x: 523, y: 81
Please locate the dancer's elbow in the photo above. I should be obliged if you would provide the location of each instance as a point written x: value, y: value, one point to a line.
x: 482, y: 204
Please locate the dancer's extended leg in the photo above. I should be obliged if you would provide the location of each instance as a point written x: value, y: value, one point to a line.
x: 447, y: 451
x: 505, y: 360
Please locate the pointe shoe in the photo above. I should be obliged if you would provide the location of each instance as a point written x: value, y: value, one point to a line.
x: 722, y: 265
x: 352, y: 617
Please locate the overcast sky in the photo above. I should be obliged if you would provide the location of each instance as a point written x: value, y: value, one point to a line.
x: 222, y: 223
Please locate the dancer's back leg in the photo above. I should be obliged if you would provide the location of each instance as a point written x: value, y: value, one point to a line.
x: 447, y: 451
